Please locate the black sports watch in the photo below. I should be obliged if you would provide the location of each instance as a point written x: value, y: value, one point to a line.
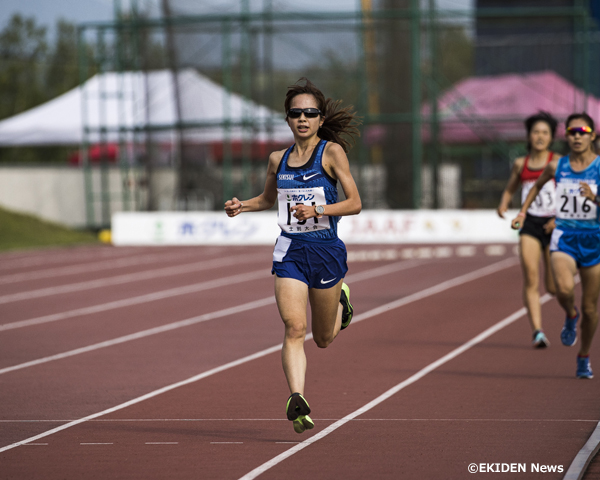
x: 319, y: 209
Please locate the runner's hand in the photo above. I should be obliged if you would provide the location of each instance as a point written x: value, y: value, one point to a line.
x: 549, y: 226
x: 586, y: 191
x: 303, y: 212
x: 233, y: 207
x: 501, y: 210
x: 517, y: 222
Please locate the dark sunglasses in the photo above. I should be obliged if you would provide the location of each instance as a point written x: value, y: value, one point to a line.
x: 580, y: 130
x: 308, y: 112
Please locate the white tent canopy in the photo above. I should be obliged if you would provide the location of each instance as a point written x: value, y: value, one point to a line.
x: 135, y: 100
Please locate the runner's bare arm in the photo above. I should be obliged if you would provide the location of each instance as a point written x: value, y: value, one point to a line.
x: 546, y: 176
x: 511, y: 186
x: 335, y: 163
x: 265, y: 200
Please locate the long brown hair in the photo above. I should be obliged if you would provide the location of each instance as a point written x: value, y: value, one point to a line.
x: 340, y: 125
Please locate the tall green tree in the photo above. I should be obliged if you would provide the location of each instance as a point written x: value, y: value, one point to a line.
x: 62, y: 72
x: 22, y: 50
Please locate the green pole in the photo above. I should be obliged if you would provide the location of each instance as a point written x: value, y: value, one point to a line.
x: 434, y: 120
x: 245, y: 52
x: 227, y: 83
x: 368, y: 103
x: 586, y: 53
x: 103, y: 119
x: 120, y: 61
x: 83, y: 148
x: 415, y: 27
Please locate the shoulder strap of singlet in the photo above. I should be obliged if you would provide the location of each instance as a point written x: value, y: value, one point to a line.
x: 319, y: 151
x: 525, y: 168
x: 284, y: 158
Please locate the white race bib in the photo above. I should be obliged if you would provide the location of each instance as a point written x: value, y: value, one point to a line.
x: 571, y: 205
x: 289, y: 197
x: 544, y: 204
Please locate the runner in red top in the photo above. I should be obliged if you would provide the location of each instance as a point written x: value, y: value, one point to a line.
x: 537, y: 226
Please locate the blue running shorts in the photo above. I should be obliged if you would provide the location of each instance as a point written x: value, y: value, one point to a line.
x: 319, y: 265
x: 582, y: 245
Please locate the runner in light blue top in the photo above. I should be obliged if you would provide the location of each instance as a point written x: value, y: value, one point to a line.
x: 309, y: 260
x: 575, y: 242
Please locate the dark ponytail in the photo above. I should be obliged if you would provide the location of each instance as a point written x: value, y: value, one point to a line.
x: 340, y: 125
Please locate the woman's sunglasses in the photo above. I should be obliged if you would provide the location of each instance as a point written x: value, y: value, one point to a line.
x: 308, y: 112
x: 580, y: 130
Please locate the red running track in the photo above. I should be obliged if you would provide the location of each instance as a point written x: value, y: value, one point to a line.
x: 164, y: 363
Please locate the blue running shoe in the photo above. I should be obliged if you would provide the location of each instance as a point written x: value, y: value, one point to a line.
x: 584, y: 369
x: 568, y: 335
x: 540, y: 340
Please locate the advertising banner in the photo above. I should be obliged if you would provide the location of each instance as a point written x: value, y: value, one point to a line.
x: 260, y: 228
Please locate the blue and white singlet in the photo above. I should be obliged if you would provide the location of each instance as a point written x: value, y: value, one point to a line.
x: 574, y: 212
x: 308, y: 184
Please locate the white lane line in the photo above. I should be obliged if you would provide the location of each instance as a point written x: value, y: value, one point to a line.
x: 121, y: 279
x: 49, y: 257
x: 392, y: 391
x: 147, y: 396
x: 145, y: 333
x: 581, y: 461
x: 226, y: 443
x: 150, y: 297
x: 440, y: 287
x: 162, y: 420
x: 35, y: 444
x: 276, y: 348
x: 162, y: 443
x: 96, y: 443
x: 94, y: 267
x: 395, y: 267
x: 201, y: 318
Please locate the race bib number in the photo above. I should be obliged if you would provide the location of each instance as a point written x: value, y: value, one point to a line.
x: 544, y: 204
x: 289, y: 197
x: 571, y: 205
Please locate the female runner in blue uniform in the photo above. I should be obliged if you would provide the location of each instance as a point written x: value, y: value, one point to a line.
x: 309, y: 260
x: 575, y: 242
x: 534, y: 236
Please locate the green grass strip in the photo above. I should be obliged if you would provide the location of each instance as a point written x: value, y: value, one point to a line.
x: 19, y: 231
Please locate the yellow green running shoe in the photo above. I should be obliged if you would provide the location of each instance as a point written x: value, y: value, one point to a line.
x: 303, y: 422
x: 297, y: 411
x: 347, y: 308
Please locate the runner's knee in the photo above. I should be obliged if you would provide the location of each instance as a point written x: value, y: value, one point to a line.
x: 323, y: 341
x: 564, y: 291
x: 295, y: 330
x: 589, y: 311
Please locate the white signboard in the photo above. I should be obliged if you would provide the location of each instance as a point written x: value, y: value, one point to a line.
x: 369, y: 227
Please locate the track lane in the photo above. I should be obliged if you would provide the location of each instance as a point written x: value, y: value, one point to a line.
x: 278, y: 367
x: 194, y: 440
x: 69, y: 335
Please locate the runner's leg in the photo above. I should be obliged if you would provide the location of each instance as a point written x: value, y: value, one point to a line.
x: 530, y: 251
x: 291, y: 296
x: 326, y: 311
x: 565, y: 268
x: 548, y: 275
x: 590, y: 281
